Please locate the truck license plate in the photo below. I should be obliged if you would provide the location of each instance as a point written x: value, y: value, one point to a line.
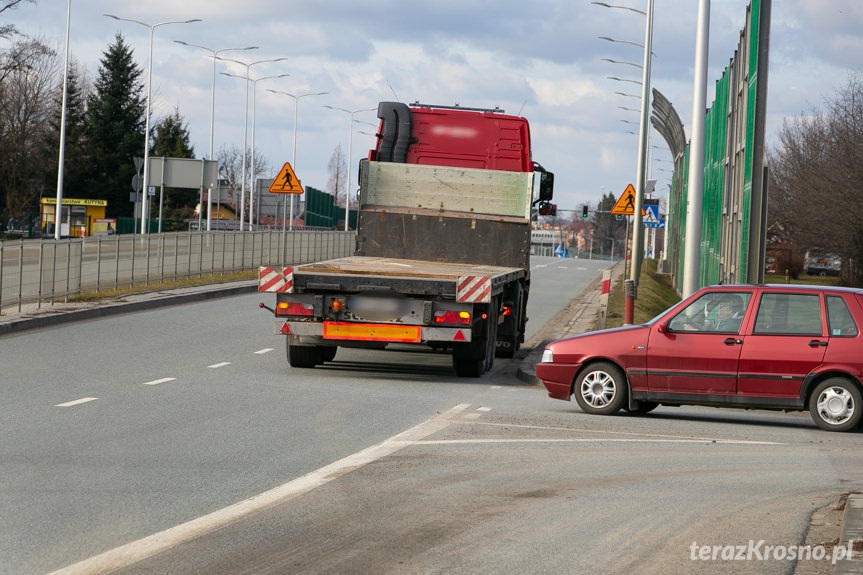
x: 372, y: 332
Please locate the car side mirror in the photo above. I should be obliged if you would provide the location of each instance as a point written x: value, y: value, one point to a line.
x: 663, y: 328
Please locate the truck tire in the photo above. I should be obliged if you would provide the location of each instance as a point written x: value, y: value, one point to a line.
x: 509, y: 336
x: 474, y: 358
x: 303, y: 355
x: 464, y: 361
x: 328, y: 352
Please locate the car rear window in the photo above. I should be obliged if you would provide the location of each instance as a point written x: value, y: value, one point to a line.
x: 788, y: 314
x: 839, y: 317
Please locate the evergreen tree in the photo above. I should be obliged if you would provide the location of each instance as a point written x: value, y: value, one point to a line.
x: 77, y: 153
x: 171, y: 137
x: 116, y: 112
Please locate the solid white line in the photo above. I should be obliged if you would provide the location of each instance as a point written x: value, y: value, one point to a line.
x: 136, y: 551
x: 76, y: 402
x: 218, y: 365
x: 592, y: 440
x: 158, y: 381
x: 651, y: 435
x: 265, y: 350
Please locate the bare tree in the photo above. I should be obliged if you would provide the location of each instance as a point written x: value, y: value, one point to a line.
x: 815, y: 198
x: 9, y: 30
x: 23, y: 53
x: 27, y: 99
x: 337, y: 169
x: 230, y: 160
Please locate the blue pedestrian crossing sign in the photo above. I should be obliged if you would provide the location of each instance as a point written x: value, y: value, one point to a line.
x: 650, y: 215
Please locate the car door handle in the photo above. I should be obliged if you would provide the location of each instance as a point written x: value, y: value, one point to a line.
x: 817, y: 342
x: 731, y: 340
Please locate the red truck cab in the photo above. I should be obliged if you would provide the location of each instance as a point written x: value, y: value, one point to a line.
x: 452, y: 136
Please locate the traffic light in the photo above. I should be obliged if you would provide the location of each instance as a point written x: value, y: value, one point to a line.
x: 583, y: 211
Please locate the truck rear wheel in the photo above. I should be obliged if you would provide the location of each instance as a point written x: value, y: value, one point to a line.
x: 509, y: 336
x: 476, y: 357
x: 304, y: 355
x: 328, y: 352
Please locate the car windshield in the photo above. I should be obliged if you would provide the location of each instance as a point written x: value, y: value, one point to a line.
x: 660, y: 314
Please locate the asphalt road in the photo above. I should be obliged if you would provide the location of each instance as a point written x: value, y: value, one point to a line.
x: 178, y: 440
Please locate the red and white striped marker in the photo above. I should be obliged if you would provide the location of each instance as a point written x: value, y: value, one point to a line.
x: 276, y: 281
x: 474, y: 289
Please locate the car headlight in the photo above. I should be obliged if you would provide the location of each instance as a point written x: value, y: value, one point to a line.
x: 547, y: 356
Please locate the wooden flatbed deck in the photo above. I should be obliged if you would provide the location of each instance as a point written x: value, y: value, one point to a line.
x: 395, y: 267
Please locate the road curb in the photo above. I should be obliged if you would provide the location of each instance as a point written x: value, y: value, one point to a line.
x: 852, y: 534
x: 128, y: 304
x: 579, y: 316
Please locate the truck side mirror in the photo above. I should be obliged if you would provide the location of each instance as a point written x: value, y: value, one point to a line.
x: 546, y: 186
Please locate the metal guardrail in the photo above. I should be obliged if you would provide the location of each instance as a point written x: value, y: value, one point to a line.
x: 43, y: 271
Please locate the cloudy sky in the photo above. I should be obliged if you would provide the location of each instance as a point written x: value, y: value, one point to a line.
x: 538, y: 58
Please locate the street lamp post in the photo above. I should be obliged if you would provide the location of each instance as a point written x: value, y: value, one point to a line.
x: 615, y: 78
x: 350, y: 143
x: 58, y: 208
x: 695, y: 176
x: 215, y: 55
x: 146, y: 199
x: 253, y: 177
x: 637, y: 231
x: 633, y: 64
x: 296, y: 98
x: 248, y: 66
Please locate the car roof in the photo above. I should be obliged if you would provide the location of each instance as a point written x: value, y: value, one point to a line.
x: 789, y: 287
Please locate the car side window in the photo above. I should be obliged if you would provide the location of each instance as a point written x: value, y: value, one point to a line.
x: 839, y: 318
x: 788, y: 314
x: 712, y: 312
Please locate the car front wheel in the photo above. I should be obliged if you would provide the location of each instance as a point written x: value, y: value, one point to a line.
x: 836, y: 405
x: 600, y: 389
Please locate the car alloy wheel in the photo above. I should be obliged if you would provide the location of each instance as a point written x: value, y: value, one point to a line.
x: 600, y: 389
x: 835, y: 405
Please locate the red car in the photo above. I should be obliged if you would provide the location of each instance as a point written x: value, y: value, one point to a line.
x: 776, y: 347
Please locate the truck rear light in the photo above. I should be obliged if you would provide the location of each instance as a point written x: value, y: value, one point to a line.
x: 293, y: 308
x: 507, y: 310
x: 456, y: 317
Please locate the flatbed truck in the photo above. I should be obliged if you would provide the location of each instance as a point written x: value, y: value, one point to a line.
x: 442, y: 254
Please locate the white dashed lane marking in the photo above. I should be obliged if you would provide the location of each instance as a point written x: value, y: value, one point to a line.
x: 77, y: 402
x: 158, y: 381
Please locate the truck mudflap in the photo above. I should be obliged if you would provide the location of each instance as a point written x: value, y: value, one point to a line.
x: 393, y: 333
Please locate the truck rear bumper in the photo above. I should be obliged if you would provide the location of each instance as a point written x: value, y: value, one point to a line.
x: 342, y: 331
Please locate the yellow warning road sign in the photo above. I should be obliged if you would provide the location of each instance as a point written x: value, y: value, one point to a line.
x: 625, y: 204
x: 286, y: 182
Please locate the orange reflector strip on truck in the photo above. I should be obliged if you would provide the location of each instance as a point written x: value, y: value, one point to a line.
x: 372, y: 332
